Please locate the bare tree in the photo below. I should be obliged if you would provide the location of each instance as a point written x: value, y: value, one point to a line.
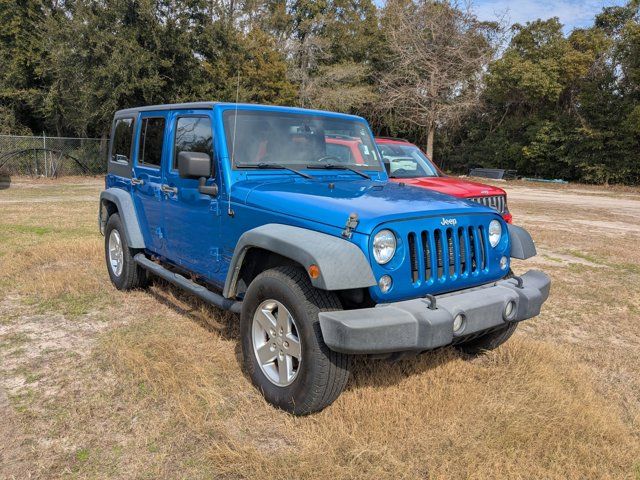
x: 438, y: 54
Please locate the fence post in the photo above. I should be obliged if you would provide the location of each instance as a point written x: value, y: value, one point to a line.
x: 44, y: 152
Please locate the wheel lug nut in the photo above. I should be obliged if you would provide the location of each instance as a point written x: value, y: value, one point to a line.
x: 285, y: 344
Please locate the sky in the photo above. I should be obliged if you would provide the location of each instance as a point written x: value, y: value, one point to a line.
x: 572, y: 13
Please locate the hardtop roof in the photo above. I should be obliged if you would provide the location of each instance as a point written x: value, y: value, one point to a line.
x: 211, y: 105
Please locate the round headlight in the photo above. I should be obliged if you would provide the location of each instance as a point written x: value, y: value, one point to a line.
x: 384, y: 246
x: 495, y: 232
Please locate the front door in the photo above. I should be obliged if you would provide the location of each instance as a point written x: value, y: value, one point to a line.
x: 191, y: 219
x: 147, y: 180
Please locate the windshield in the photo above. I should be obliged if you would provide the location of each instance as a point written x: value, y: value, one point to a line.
x: 406, y: 161
x: 298, y: 140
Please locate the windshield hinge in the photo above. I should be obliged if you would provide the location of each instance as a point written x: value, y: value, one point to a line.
x: 352, y: 223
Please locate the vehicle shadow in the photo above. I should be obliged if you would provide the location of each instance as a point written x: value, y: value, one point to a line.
x: 365, y: 371
x: 212, y: 319
x: 381, y: 373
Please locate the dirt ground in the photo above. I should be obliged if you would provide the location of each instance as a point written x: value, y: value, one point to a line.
x: 96, y: 383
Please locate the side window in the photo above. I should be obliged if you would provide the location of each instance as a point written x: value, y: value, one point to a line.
x: 193, y: 134
x: 151, y: 140
x: 122, y: 138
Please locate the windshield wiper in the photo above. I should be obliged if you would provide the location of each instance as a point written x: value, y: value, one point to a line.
x: 333, y: 166
x: 272, y: 166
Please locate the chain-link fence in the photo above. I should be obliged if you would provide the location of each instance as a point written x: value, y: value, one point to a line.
x: 52, y: 156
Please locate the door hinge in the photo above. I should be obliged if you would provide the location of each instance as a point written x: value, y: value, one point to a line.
x: 215, y: 254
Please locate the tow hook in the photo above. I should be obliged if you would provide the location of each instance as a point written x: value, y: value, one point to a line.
x: 432, y: 302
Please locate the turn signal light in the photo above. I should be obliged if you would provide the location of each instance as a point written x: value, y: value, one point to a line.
x: 314, y: 271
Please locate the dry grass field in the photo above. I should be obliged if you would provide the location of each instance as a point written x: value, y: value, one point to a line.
x: 95, y: 383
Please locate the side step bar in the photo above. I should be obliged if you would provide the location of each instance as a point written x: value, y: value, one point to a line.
x: 191, y: 287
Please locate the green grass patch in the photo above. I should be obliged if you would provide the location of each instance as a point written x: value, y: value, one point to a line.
x: 13, y: 340
x: 588, y: 257
x: 82, y: 455
x: 9, y: 230
x: 23, y: 400
x: 24, y: 229
x: 32, y: 377
x: 71, y: 305
x: 627, y: 267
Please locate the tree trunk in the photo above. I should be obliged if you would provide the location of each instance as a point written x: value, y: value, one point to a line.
x: 430, y: 135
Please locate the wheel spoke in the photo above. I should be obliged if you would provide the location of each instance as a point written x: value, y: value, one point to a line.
x: 266, y: 355
x: 285, y: 368
x: 266, y: 320
x: 284, y: 320
x: 294, y: 346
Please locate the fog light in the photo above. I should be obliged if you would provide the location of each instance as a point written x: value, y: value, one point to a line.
x: 385, y: 283
x: 504, y: 263
x: 509, y: 310
x: 458, y: 323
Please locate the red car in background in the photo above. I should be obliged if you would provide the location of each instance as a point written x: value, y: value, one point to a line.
x: 406, y: 163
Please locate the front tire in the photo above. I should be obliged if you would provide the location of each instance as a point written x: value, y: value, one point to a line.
x: 282, y: 346
x: 124, y: 272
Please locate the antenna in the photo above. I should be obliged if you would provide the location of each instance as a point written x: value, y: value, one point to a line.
x: 230, y: 212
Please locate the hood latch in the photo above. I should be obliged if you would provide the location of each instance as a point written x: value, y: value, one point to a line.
x: 350, y: 226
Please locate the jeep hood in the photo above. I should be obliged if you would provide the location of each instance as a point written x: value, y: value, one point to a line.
x: 330, y: 201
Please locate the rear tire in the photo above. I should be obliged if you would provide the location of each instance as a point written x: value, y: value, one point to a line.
x: 124, y: 272
x: 488, y: 341
x: 279, y: 320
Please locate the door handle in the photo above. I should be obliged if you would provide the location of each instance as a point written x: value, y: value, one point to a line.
x: 167, y: 189
x: 137, y: 181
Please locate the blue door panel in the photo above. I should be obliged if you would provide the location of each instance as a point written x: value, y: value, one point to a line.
x: 147, y: 194
x: 191, y: 219
x: 148, y: 201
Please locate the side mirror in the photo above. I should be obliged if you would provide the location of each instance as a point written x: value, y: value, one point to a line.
x: 197, y: 165
x: 194, y: 165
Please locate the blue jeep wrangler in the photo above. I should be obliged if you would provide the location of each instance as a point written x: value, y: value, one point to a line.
x: 263, y: 211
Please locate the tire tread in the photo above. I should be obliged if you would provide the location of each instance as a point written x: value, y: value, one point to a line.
x: 133, y: 275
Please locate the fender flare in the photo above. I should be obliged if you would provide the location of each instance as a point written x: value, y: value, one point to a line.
x: 123, y: 202
x: 342, y: 264
x: 522, y: 246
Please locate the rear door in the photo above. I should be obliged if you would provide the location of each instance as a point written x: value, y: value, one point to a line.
x: 147, y: 180
x: 191, y: 219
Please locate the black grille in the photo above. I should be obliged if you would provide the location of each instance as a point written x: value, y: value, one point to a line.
x: 497, y: 202
x: 446, y: 253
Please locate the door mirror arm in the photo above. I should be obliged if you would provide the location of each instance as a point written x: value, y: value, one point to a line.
x: 207, y: 189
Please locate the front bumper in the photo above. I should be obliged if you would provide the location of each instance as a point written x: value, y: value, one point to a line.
x: 412, y: 325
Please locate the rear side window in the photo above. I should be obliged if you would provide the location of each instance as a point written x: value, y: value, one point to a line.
x: 193, y: 134
x: 151, y: 140
x: 122, y: 138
